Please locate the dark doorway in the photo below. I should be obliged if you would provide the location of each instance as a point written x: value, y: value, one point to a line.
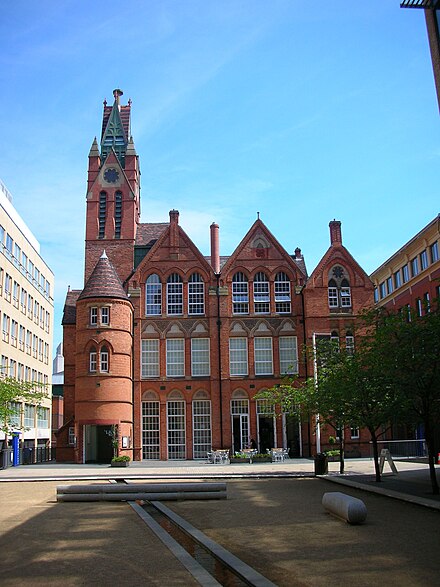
x: 266, y: 433
x: 236, y: 433
x: 98, y: 444
x: 292, y: 433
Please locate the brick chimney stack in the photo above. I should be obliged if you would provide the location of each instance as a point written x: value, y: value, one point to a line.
x: 335, y: 232
x: 174, y: 230
x: 215, y: 248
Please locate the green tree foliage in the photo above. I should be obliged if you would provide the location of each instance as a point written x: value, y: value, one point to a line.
x: 409, y: 349
x: 12, y: 394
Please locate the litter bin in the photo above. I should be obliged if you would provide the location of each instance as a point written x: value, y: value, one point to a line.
x: 321, y: 464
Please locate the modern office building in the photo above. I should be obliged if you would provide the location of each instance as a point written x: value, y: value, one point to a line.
x: 411, y: 277
x: 166, y: 348
x: 26, y: 317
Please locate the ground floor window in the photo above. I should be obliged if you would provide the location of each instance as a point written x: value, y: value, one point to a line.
x: 240, y: 424
x: 176, y: 430
x: 150, y: 430
x: 201, y: 428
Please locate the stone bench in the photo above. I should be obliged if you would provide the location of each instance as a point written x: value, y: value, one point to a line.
x: 141, y: 491
x: 348, y: 508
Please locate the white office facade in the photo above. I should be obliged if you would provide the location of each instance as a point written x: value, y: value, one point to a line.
x: 26, y: 319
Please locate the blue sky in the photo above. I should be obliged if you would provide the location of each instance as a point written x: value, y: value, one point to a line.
x: 302, y: 111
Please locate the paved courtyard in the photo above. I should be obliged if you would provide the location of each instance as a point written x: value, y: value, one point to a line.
x: 277, y: 526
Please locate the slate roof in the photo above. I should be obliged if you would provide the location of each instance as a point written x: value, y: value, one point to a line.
x: 124, y: 113
x: 103, y: 282
x: 69, y: 313
x: 148, y: 233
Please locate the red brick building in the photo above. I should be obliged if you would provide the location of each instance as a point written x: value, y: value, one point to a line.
x: 168, y: 347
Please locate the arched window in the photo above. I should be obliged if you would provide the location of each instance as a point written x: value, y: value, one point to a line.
x: 261, y: 294
x: 102, y: 213
x: 240, y: 294
x: 339, y: 293
x: 153, y: 296
x: 174, y: 295
x: 196, y: 294
x: 118, y: 214
x: 103, y: 360
x: 282, y: 293
x: 92, y: 360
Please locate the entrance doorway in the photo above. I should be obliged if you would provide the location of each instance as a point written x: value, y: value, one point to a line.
x: 98, y: 444
x: 240, y: 432
x: 266, y: 433
x: 292, y: 436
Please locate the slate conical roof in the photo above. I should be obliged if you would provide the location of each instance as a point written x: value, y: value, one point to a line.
x: 104, y: 282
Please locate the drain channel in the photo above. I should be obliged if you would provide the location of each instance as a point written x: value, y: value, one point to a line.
x: 217, y: 569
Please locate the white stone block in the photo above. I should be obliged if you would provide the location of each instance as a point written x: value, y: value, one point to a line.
x: 346, y: 507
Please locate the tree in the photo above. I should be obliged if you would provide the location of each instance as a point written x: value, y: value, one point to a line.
x: 409, y: 347
x: 12, y: 394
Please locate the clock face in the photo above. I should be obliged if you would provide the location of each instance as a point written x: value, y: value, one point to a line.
x: 111, y: 175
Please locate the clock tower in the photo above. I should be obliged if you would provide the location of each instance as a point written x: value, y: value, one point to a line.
x: 113, y: 204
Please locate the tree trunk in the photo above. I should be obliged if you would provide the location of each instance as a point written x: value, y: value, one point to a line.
x: 431, y: 459
x: 375, y: 455
x: 341, y: 453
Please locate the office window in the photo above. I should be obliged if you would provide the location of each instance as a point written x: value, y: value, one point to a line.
x: 405, y: 273
x: 200, y: 357
x: 414, y: 267
x: 238, y: 356
x: 196, y: 294
x: 332, y: 294
x: 382, y: 290
x: 397, y: 279
x: 153, y: 296
x: 6, y: 326
x: 282, y: 293
x: 8, y: 245
x: 174, y: 295
x: 349, y: 343
x: 21, y: 337
x: 15, y: 418
x: 92, y: 360
x: 424, y: 260
x: 261, y: 294
x: 240, y: 294
x: 288, y: 355
x: 390, y: 285
x: 175, y: 356
x: 150, y: 358
x: 29, y: 416
x: 104, y: 360
x: 93, y: 316
x: 105, y: 316
x: 263, y: 356
x: 14, y: 332
x: 433, y: 249
x: 42, y: 417
x: 8, y: 286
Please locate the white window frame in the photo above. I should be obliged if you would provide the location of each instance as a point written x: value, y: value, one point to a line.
x: 175, y: 357
x: 105, y: 315
x: 238, y: 357
x: 153, y: 296
x: 202, y: 428
x: 261, y: 287
x: 93, y: 316
x: 332, y: 297
x: 282, y: 293
x: 104, y: 358
x: 240, y: 293
x: 200, y: 357
x: 288, y: 352
x: 150, y: 359
x: 176, y: 429
x: 93, y: 365
x: 263, y: 355
x: 174, y: 295
x: 196, y: 295
x: 150, y: 430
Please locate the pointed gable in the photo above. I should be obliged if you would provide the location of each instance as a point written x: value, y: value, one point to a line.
x: 103, y: 282
x: 260, y: 247
x: 115, y: 129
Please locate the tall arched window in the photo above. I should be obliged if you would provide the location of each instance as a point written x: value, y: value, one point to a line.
x: 118, y: 214
x: 104, y: 360
x: 174, y: 295
x: 196, y: 294
x: 102, y: 213
x: 261, y: 294
x: 339, y: 293
x: 240, y: 294
x: 153, y: 296
x: 92, y: 360
x: 282, y: 293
